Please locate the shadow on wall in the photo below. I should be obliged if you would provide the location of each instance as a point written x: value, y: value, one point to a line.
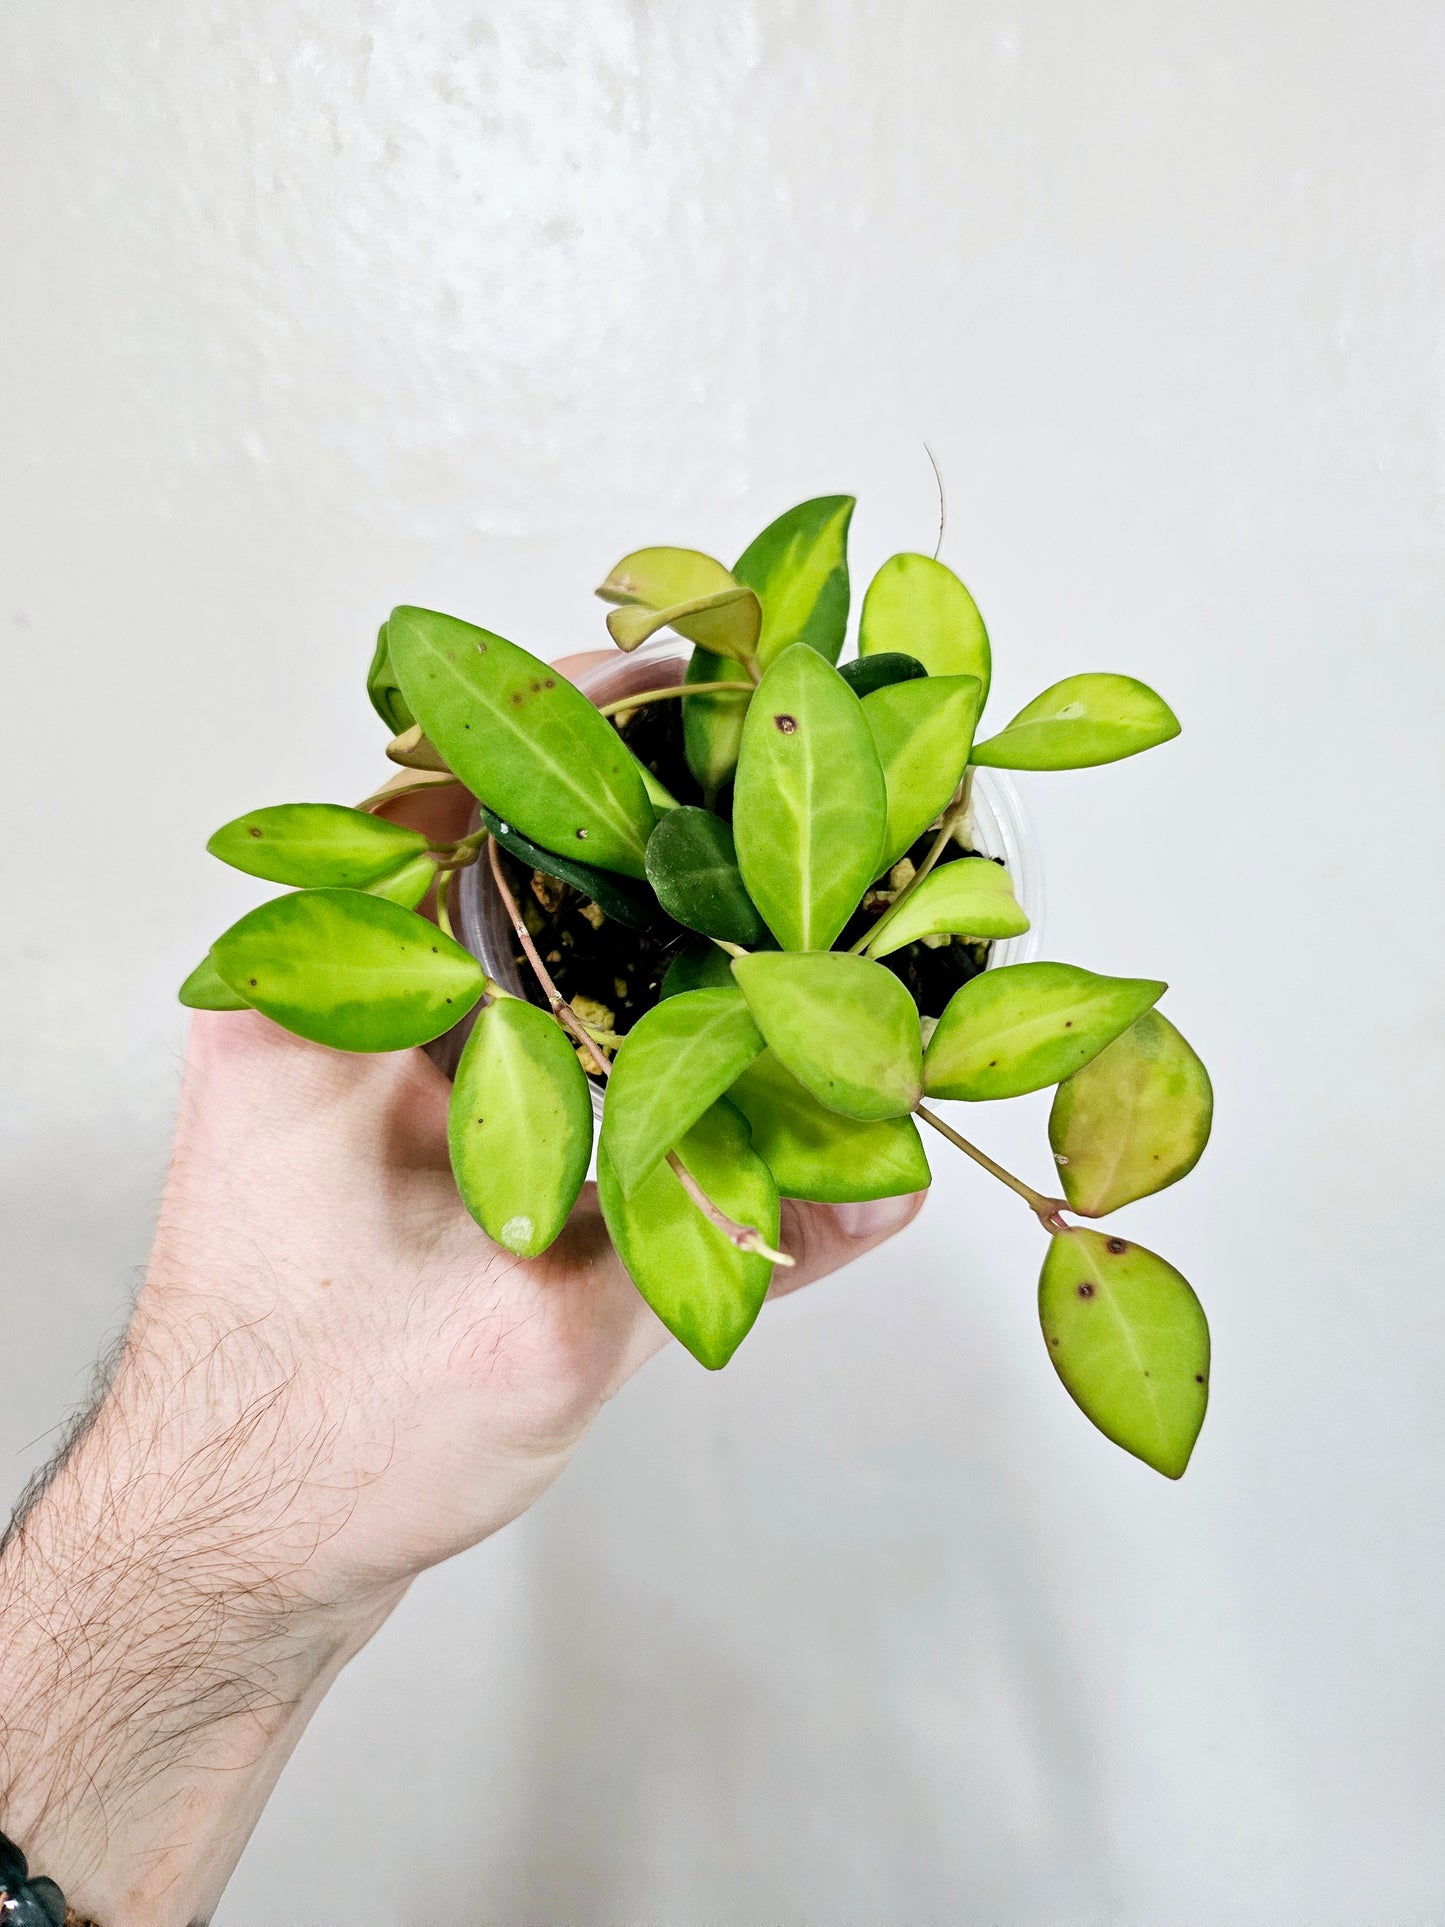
x: 792, y: 1679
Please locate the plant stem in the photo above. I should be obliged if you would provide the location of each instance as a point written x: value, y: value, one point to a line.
x: 1046, y: 1210
x: 745, y: 1236
x: 625, y: 703
x: 953, y: 816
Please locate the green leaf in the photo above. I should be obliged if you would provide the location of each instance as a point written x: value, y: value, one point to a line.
x: 519, y: 1125
x: 970, y: 897
x: 820, y: 1154
x: 727, y: 623
x: 655, y: 578
x: 630, y: 904
x: 712, y: 725
x: 658, y: 794
x: 384, y: 690
x: 674, y: 1062
x: 1133, y: 1121
x: 408, y: 885
x: 703, y: 1288
x: 1129, y: 1339
x: 702, y: 966
x: 916, y: 604
x: 523, y: 740
x: 866, y: 673
x: 799, y: 567
x: 349, y: 970
x: 923, y: 732
x: 1080, y: 722
x: 204, y: 989
x: 692, y: 865
x: 316, y: 844
x: 1023, y: 1026
x: 809, y: 806
x: 846, y: 1028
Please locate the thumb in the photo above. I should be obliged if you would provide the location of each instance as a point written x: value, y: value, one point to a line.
x: 821, y: 1237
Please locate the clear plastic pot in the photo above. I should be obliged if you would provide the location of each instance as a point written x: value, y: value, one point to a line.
x: 999, y: 829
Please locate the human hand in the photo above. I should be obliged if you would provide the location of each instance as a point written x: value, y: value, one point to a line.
x: 332, y: 1380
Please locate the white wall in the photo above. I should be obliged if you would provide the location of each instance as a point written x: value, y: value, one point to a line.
x: 310, y: 309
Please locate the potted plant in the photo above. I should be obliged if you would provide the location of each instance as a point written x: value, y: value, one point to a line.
x: 748, y: 903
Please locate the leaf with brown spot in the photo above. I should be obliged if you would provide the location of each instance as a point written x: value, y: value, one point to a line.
x: 1130, y: 1341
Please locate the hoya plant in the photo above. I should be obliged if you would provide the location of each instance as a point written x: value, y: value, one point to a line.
x: 750, y: 907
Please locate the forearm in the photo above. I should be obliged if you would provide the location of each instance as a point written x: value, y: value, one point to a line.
x: 164, y: 1637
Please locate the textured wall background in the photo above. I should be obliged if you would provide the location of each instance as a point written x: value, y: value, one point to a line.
x: 309, y: 310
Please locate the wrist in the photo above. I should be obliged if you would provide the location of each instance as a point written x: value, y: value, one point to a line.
x: 165, y: 1633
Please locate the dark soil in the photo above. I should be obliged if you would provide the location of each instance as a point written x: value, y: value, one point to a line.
x: 591, y: 956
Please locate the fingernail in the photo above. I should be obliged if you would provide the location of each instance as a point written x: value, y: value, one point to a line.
x: 875, y: 1219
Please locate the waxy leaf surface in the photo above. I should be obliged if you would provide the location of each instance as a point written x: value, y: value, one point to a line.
x: 347, y: 969
x: 866, y: 673
x: 205, y: 989
x: 1133, y: 1121
x: 408, y: 885
x: 918, y: 605
x: 692, y: 864
x: 809, y: 805
x: 523, y: 740
x: 1023, y: 1026
x: 727, y: 624
x: 817, y: 1153
x: 316, y: 844
x: 846, y: 1028
x: 674, y: 1062
x: 712, y: 725
x: 923, y: 732
x: 384, y: 690
x: 703, y: 1288
x: 1129, y: 1339
x: 1080, y: 722
x: 799, y: 567
x: 630, y: 904
x: 519, y: 1125
x: 970, y: 897
x: 656, y: 578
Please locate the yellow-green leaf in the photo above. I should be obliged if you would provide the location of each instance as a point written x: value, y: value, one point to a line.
x: 316, y: 844
x: 674, y: 1062
x: 706, y: 1291
x: 657, y: 577
x: 712, y: 725
x: 820, y: 1154
x: 846, y: 1028
x: 809, y: 805
x: 919, y: 606
x: 523, y: 740
x: 1024, y: 1026
x: 970, y: 897
x: 347, y: 969
x: 1130, y: 1341
x: 1080, y: 722
x: 799, y: 567
x: 204, y: 989
x: 408, y: 885
x: 923, y: 732
x: 519, y: 1125
x: 1133, y: 1121
x: 727, y: 623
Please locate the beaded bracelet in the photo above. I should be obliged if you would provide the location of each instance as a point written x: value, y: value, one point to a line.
x: 31, y: 1903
